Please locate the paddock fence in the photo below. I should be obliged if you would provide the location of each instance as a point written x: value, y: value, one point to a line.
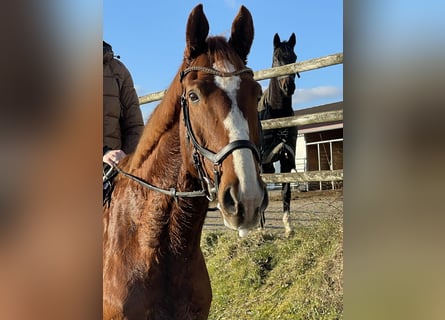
x: 322, y: 117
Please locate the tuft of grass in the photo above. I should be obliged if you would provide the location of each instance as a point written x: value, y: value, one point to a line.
x: 267, y: 276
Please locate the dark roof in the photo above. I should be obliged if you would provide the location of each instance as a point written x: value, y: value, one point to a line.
x: 323, y: 108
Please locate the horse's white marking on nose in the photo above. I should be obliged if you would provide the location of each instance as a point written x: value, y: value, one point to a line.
x: 238, y: 129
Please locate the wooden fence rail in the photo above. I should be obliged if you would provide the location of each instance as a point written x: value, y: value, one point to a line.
x: 302, y: 66
x: 324, y: 175
x: 319, y: 117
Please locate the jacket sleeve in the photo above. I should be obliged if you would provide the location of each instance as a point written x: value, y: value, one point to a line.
x: 132, y: 123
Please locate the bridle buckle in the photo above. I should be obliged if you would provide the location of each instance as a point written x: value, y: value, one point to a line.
x: 211, y: 189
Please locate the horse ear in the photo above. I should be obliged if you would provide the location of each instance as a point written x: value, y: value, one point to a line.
x: 242, y: 33
x: 196, y: 34
x: 292, y: 40
x: 276, y: 41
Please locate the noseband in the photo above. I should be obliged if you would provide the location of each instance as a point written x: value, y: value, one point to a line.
x: 199, y: 151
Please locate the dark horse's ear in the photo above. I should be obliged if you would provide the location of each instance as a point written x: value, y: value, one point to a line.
x: 242, y: 33
x: 292, y: 40
x: 276, y: 41
x: 196, y: 34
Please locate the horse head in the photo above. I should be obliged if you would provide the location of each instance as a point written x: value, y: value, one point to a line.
x: 283, y: 54
x: 221, y: 126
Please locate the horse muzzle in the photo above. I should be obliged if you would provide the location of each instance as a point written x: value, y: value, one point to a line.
x: 288, y: 85
x: 242, y: 211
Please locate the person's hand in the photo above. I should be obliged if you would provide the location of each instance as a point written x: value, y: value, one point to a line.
x: 113, y: 157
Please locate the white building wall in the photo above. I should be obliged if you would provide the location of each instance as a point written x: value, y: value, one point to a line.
x: 300, y: 153
x: 301, y: 159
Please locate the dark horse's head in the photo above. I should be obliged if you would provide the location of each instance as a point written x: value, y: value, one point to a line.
x: 283, y: 53
x: 222, y: 127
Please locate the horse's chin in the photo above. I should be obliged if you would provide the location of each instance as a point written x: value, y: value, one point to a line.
x: 241, y: 231
x: 289, y: 93
x: 243, y: 228
x: 245, y: 217
x: 288, y: 90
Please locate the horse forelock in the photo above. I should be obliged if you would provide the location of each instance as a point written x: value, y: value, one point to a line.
x: 283, y: 54
x: 218, y: 50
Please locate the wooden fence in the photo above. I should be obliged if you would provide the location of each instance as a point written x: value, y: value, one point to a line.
x: 307, y: 65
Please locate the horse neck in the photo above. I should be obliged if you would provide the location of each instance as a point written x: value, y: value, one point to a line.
x: 158, y: 159
x: 275, y: 97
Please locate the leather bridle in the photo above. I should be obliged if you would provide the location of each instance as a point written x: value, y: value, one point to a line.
x: 209, y: 187
x: 201, y: 152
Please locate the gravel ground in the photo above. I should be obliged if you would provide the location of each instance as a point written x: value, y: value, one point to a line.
x: 306, y: 207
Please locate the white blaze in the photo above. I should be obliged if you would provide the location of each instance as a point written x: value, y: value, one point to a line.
x: 238, y: 129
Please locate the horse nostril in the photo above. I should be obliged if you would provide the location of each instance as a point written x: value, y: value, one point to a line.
x: 228, y: 201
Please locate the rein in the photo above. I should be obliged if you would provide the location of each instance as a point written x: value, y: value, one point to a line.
x: 170, y: 192
x: 209, y: 188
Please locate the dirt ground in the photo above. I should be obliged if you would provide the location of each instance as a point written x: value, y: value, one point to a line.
x: 306, y: 207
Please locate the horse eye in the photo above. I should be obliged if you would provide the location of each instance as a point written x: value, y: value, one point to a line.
x: 193, y: 97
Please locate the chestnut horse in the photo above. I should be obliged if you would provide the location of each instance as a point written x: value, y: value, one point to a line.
x: 276, y: 102
x: 201, y: 142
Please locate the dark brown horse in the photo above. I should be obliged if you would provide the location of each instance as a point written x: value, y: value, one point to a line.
x: 276, y: 102
x: 200, y: 143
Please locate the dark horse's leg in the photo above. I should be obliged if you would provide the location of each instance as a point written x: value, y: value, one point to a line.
x: 287, y: 164
x: 266, y: 168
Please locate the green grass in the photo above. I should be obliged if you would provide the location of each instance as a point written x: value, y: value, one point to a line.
x: 266, y: 276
